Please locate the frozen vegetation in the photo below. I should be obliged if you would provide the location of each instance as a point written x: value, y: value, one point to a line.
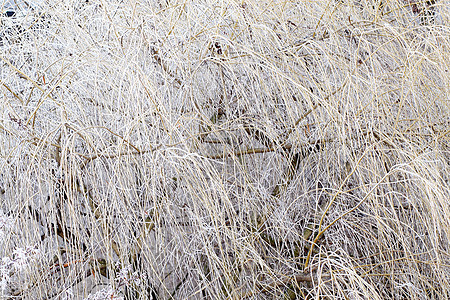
x: 224, y: 149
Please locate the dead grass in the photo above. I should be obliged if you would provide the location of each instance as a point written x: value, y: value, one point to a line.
x: 226, y: 150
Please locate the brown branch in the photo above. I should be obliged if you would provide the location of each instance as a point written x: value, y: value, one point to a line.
x: 240, y: 153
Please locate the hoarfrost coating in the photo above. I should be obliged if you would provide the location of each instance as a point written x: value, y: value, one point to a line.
x: 18, y: 5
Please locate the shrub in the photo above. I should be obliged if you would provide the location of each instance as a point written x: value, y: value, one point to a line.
x: 225, y: 150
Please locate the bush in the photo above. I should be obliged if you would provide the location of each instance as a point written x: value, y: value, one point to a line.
x: 225, y: 150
